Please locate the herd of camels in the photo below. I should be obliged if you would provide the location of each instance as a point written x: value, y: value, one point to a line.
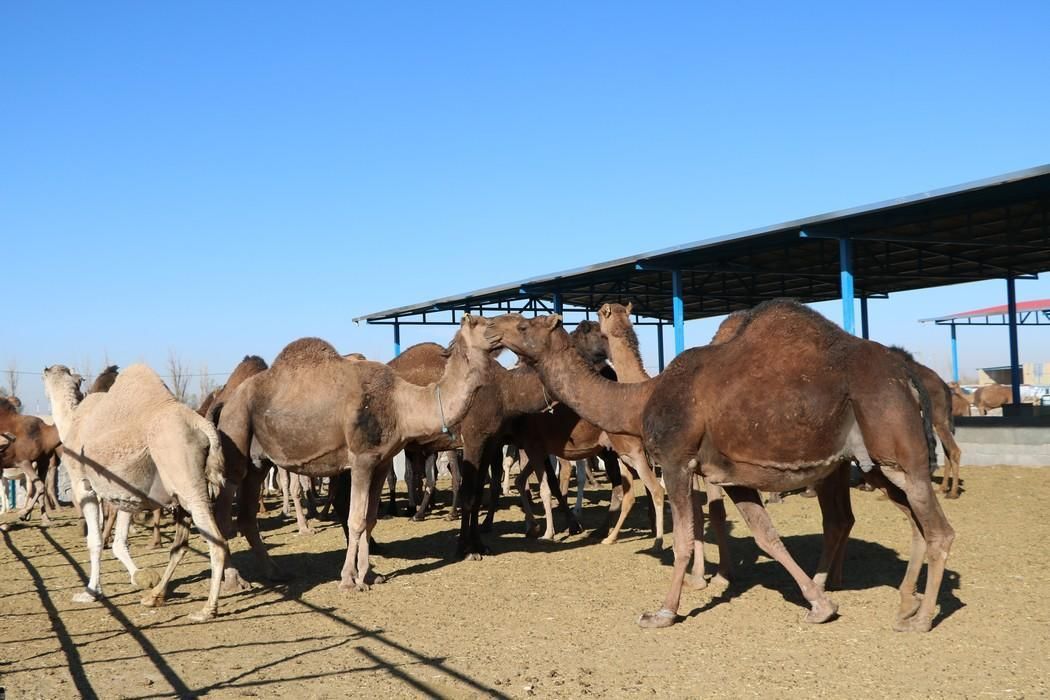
x: 780, y: 400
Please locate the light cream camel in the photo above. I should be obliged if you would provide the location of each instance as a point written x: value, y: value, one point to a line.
x: 701, y: 415
x: 136, y: 446
x: 317, y: 413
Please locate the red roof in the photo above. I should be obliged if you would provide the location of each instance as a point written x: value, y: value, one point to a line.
x: 1022, y: 307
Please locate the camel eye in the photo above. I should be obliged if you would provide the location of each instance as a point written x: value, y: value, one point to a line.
x: 521, y: 327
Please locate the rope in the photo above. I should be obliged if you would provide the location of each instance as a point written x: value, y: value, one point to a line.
x: 441, y: 412
x: 550, y: 404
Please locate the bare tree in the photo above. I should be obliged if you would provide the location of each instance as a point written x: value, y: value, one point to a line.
x: 87, y: 372
x: 180, y: 378
x: 12, y: 378
x: 207, y: 384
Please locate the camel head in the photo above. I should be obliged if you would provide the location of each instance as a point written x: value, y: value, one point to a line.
x: 6, y: 440
x: 472, y: 333
x: 615, y: 321
x: 591, y: 343
x: 10, y: 404
x: 529, y: 338
x: 355, y: 356
x: 59, y: 380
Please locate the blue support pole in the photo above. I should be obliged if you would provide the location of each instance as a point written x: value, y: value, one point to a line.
x: 864, y: 318
x: 1015, y: 365
x: 679, y: 312
x: 397, y: 338
x: 557, y: 303
x: 955, y: 356
x: 846, y: 287
x: 660, y: 345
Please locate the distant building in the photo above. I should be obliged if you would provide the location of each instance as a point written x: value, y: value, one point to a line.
x: 1037, y: 373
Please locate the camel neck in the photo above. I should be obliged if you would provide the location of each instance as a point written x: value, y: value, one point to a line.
x: 428, y: 410
x: 63, y: 405
x: 615, y: 407
x: 626, y: 359
x: 523, y: 392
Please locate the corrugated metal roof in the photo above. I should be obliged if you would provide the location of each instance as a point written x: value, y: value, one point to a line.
x: 986, y: 229
x: 1022, y: 307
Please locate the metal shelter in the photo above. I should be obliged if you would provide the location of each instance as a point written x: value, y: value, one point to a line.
x: 1025, y: 313
x: 994, y: 228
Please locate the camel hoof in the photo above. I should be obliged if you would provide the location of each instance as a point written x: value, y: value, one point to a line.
x: 202, y: 615
x: 533, y: 531
x: 909, y: 608
x: 547, y: 537
x: 719, y: 580
x: 823, y: 610
x: 24, y: 516
x: 451, y: 517
x: 575, y: 528
x: 658, y: 547
x: 86, y: 596
x: 307, y: 531
x: 418, y: 517
x: 233, y: 583
x: 913, y: 624
x: 951, y: 495
x: 485, y: 527
x: 155, y: 545
x: 145, y: 578
x: 472, y: 556
x: 697, y: 583
x: 152, y: 601
x: 45, y: 520
x: 657, y: 620
x: 611, y: 539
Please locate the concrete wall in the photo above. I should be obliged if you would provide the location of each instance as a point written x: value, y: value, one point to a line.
x: 1021, y: 447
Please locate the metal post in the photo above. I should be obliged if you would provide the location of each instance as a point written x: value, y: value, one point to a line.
x: 955, y: 357
x: 1015, y: 366
x: 660, y: 345
x: 846, y: 287
x: 864, y: 318
x: 397, y: 338
x: 679, y: 312
x: 557, y: 303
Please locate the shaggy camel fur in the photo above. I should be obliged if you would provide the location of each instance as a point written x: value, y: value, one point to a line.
x: 700, y: 415
x: 35, y: 452
x: 992, y: 396
x: 941, y: 417
x: 137, y: 446
x: 317, y: 413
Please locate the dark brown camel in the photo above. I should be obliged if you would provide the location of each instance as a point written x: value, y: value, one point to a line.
x: 826, y: 397
x: 35, y: 451
x: 104, y: 380
x: 992, y: 396
x: 317, y: 413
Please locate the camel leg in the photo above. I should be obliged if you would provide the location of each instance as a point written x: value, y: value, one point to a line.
x: 391, y: 482
x: 548, y: 478
x: 109, y: 519
x: 248, y: 523
x: 492, y: 464
x: 428, y: 468
x: 155, y: 542
x: 565, y: 468
x: 51, y: 483
x: 140, y: 578
x: 717, y: 511
x: 89, y: 506
x: 34, y: 490
x: 683, y: 515
x: 581, y: 481
x: 656, y: 491
x: 296, y: 488
x: 284, y: 481
x: 952, y: 455
x: 218, y: 553
x: 837, y: 516
x: 355, y: 566
x: 521, y: 484
x: 179, y: 545
x: 749, y: 503
x: 468, y: 545
x: 457, y: 481
x: 626, y: 503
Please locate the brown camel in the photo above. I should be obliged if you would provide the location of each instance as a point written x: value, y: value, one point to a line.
x: 941, y: 417
x: 317, y: 413
x: 34, y: 452
x: 992, y: 396
x: 960, y: 401
x: 104, y: 380
x: 137, y: 446
x: 825, y: 397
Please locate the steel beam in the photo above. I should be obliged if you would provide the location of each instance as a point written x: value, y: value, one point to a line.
x: 679, y: 312
x: 846, y: 283
x: 955, y: 357
x: 397, y: 338
x: 1015, y: 367
x: 864, y: 317
x: 660, y: 346
x: 557, y: 303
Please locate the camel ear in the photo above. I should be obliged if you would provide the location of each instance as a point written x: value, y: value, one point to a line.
x: 552, y: 321
x: 630, y: 305
x: 469, y: 320
x: 605, y: 311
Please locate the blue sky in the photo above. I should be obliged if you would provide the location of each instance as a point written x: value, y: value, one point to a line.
x: 220, y: 179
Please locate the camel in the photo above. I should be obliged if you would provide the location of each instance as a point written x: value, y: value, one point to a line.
x: 826, y: 397
x: 960, y: 401
x: 137, y: 446
x: 992, y: 396
x: 941, y: 417
x: 615, y: 323
x: 34, y: 452
x: 104, y: 380
x: 317, y: 413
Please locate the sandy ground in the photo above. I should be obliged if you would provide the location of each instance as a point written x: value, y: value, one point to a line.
x: 545, y: 620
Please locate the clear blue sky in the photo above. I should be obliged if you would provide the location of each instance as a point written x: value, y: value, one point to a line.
x: 222, y: 178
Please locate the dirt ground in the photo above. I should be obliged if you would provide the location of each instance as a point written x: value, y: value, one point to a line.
x: 545, y: 620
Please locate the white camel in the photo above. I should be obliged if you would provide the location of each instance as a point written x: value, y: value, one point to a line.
x: 137, y: 447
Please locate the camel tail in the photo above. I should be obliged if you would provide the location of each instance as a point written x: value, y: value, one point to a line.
x: 214, y: 465
x: 926, y: 409
x: 951, y: 413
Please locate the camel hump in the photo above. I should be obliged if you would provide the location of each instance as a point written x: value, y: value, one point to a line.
x: 306, y: 351
x: 8, y: 406
x: 248, y: 367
